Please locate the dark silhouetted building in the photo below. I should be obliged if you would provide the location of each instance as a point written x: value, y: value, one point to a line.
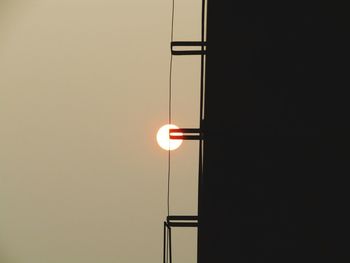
x: 275, y: 152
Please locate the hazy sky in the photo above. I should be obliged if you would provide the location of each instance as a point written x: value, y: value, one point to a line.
x: 83, y: 90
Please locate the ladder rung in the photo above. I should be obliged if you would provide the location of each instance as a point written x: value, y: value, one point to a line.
x: 182, y: 224
x: 188, y: 44
x: 170, y: 218
x: 186, y: 137
x: 188, y: 52
x: 185, y: 134
x: 185, y: 130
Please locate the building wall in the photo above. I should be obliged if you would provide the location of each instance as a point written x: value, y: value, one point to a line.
x: 272, y: 189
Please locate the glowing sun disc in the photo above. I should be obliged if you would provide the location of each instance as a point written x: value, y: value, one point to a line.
x: 163, y: 138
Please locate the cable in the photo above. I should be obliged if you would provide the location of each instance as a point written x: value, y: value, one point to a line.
x: 170, y: 102
x: 169, y: 120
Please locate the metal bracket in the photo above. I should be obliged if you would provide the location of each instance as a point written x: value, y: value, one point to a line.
x: 175, y: 221
x: 182, y: 221
x: 201, y: 51
x: 185, y: 134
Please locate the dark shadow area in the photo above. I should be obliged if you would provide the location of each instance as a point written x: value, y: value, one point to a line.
x: 276, y: 160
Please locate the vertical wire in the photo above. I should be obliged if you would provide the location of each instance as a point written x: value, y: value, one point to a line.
x: 170, y: 102
x: 169, y: 122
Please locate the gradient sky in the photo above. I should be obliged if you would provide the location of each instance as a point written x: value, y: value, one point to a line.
x: 83, y: 90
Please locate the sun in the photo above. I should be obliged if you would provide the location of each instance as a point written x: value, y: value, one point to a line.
x: 163, y: 138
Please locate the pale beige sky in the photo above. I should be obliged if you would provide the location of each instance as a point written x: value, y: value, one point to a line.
x: 83, y: 90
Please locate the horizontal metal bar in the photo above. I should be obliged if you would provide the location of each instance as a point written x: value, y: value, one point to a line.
x: 185, y: 134
x: 169, y: 218
x: 186, y: 137
x: 182, y: 224
x: 188, y: 44
x: 188, y: 52
x: 185, y: 130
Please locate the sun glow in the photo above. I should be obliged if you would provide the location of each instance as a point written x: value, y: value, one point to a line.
x: 164, y: 140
